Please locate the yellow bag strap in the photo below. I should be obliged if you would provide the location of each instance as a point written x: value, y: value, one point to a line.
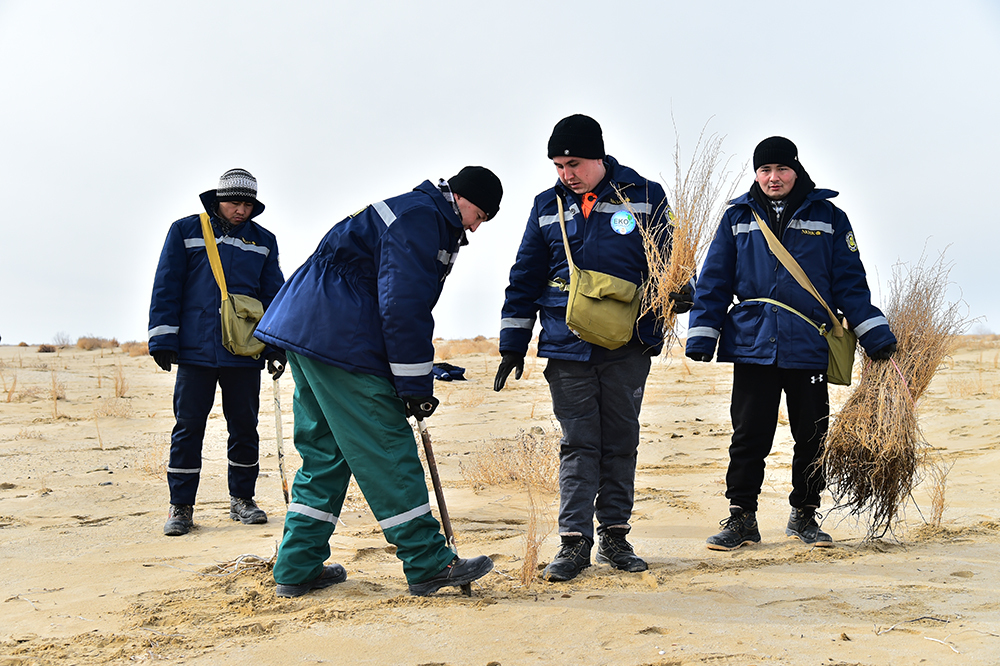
x: 562, y: 225
x: 788, y: 261
x: 213, y: 255
x: 790, y: 309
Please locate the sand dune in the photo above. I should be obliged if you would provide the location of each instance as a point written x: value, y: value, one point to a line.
x: 87, y: 576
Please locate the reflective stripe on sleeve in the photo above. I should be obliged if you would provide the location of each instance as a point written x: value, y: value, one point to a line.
x: 163, y: 330
x: 868, y: 325
x: 703, y: 332
x: 411, y: 369
x: 384, y: 212
x: 295, y: 507
x: 405, y: 517
x: 515, y: 322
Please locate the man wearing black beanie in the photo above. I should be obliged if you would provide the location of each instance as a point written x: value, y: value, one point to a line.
x: 355, y: 320
x: 767, y: 337
x: 596, y: 390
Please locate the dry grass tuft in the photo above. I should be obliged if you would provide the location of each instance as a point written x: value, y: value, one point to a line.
x: 120, y: 408
x: 46, y: 349
x: 698, y: 198
x: 9, y: 390
x: 531, y: 458
x: 875, y: 452
x: 134, y: 348
x: 538, y: 527
x: 89, y: 343
x: 939, y: 475
x: 27, y: 433
x: 121, y: 381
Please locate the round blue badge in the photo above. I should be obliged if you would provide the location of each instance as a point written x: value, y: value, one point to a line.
x: 622, y: 222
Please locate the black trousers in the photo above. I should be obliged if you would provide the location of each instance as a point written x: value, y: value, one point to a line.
x: 194, y: 393
x: 756, y: 398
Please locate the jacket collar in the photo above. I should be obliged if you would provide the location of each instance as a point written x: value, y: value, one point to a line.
x: 445, y: 208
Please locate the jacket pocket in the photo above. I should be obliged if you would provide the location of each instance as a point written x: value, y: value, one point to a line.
x: 742, y: 327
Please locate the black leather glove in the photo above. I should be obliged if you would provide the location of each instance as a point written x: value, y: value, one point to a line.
x: 683, y: 300
x: 508, y: 361
x: 164, y: 358
x: 700, y: 356
x: 883, y: 353
x: 276, y: 363
x: 420, y: 406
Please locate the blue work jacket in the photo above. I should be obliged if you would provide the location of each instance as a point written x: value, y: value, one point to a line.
x: 606, y: 241
x: 184, y: 310
x: 363, y: 300
x: 740, y: 265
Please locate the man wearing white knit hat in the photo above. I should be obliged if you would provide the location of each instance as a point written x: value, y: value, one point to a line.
x: 185, y: 329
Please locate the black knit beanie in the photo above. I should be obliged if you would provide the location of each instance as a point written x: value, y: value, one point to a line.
x: 480, y: 186
x: 777, y: 150
x: 577, y: 136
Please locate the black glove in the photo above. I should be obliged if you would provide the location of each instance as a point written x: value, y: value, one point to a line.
x: 164, y: 358
x: 883, y: 353
x: 276, y: 363
x: 420, y: 406
x: 683, y: 300
x: 700, y: 356
x: 508, y: 361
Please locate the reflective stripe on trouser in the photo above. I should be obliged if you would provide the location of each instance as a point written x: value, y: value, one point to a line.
x: 194, y: 394
x: 355, y: 423
x: 597, y: 404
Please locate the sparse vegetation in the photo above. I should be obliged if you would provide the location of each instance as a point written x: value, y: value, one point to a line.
x: 46, y: 349
x: 90, y: 343
x: 697, y: 199
x: 875, y: 451
x: 121, y: 381
x: 134, y: 348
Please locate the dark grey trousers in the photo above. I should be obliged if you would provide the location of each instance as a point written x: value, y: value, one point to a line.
x: 597, y: 404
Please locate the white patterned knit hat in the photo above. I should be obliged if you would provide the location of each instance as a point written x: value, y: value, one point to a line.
x: 237, y: 185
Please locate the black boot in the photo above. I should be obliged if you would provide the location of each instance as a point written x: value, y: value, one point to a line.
x: 246, y: 511
x: 572, y: 558
x: 459, y: 572
x: 738, y: 529
x: 180, y: 520
x: 613, y: 549
x: 802, y: 525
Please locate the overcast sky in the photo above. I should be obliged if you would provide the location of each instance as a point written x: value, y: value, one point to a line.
x: 116, y: 115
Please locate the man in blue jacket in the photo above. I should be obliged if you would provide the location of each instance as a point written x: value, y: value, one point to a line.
x: 775, y: 350
x: 355, y: 320
x: 185, y: 328
x: 596, y: 392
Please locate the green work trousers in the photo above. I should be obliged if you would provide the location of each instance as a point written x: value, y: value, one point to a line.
x: 351, y: 423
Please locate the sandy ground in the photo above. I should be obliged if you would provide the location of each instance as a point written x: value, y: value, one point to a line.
x: 87, y: 576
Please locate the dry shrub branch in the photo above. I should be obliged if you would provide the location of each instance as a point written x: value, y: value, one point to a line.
x: 698, y: 197
x: 875, y: 453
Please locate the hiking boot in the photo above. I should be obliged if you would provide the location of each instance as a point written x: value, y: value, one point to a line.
x: 331, y: 575
x: 613, y: 549
x: 738, y: 529
x: 802, y: 525
x: 180, y: 520
x: 246, y: 511
x: 459, y: 572
x: 572, y: 558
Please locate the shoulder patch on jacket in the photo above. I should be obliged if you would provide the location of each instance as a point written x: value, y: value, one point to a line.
x: 851, y: 243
